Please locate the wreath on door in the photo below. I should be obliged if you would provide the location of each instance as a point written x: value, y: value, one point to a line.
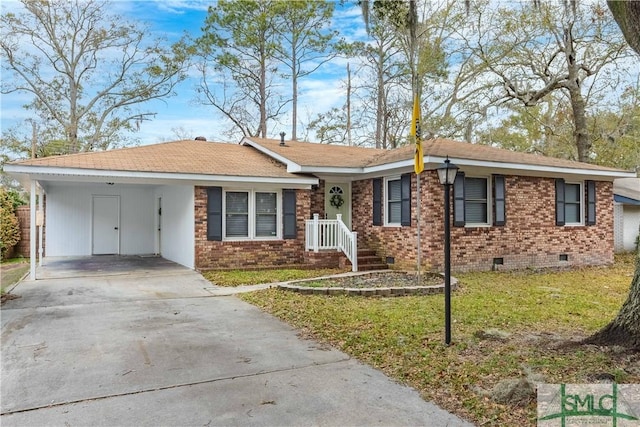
x: 336, y: 200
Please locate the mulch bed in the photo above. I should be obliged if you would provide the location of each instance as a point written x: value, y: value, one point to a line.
x: 391, y: 279
x: 378, y: 284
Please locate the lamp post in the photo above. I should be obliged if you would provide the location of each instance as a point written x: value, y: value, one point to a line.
x: 447, y: 175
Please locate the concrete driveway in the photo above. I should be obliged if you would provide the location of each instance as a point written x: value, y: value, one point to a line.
x: 152, y: 346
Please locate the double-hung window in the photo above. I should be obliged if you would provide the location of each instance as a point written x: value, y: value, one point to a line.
x: 236, y: 214
x: 250, y: 215
x: 476, y: 206
x: 392, y: 195
x: 394, y: 201
x: 575, y: 202
x: 266, y: 214
x: 572, y: 203
x: 479, y: 201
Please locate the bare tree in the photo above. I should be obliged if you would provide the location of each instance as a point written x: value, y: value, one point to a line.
x: 87, y: 70
x: 238, y: 64
x: 536, y: 52
x: 306, y: 43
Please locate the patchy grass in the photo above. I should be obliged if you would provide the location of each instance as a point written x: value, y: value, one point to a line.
x: 544, y: 314
x: 11, y: 271
x: 253, y: 277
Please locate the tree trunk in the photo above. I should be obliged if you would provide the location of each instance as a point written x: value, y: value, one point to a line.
x: 627, y: 15
x: 624, y: 329
x: 294, y: 92
x: 581, y: 135
x: 349, y: 141
x: 380, y: 92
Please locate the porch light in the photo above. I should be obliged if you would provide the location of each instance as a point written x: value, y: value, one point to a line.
x: 447, y: 175
x: 447, y: 172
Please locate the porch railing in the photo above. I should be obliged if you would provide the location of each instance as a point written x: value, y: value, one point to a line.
x: 332, y: 234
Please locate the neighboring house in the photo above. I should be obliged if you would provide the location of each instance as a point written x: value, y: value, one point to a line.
x: 626, y: 213
x: 212, y: 205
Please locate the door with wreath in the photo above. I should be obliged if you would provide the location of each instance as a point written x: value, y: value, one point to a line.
x: 337, y: 200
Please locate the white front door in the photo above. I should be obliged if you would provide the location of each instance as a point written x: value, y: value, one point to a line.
x: 337, y: 200
x: 106, y: 225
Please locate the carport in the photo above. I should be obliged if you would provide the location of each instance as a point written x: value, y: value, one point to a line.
x: 80, y: 213
x: 141, y: 200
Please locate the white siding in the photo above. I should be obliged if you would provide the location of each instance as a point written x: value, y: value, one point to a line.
x: 178, y: 224
x: 68, y: 216
x: 68, y: 221
x: 631, y: 215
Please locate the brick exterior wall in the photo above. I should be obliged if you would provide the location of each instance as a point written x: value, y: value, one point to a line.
x: 213, y: 255
x: 530, y: 237
x: 317, y: 200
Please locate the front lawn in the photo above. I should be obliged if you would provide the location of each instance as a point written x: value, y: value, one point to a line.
x: 505, y: 325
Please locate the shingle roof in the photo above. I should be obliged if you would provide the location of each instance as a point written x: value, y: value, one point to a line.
x: 186, y: 157
x: 214, y: 158
x: 463, y: 150
x: 321, y: 155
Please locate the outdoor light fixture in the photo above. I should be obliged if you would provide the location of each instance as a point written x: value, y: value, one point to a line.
x: 447, y: 175
x: 447, y: 172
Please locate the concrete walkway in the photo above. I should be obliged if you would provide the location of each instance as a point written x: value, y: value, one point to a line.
x: 152, y: 346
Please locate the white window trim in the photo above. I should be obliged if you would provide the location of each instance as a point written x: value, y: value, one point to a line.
x: 489, y: 222
x: 582, y: 202
x: 386, y: 200
x: 252, y: 214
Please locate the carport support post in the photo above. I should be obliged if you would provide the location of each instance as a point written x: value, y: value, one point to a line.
x: 41, y: 225
x: 32, y: 231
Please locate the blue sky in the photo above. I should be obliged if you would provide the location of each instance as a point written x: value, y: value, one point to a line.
x: 171, y: 19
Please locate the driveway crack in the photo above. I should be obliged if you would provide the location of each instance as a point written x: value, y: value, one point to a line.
x: 175, y: 386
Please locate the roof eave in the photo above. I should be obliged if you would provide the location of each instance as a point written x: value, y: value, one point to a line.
x: 515, y: 167
x: 42, y: 173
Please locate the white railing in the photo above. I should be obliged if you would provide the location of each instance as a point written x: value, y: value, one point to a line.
x: 332, y: 234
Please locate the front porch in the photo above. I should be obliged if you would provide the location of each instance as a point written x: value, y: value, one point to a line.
x: 331, y: 238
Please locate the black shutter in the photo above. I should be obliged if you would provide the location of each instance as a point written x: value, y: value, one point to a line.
x: 289, y: 225
x: 458, y: 200
x: 591, y: 202
x: 500, y: 217
x: 405, y: 199
x: 559, y: 201
x: 377, y: 201
x: 214, y: 213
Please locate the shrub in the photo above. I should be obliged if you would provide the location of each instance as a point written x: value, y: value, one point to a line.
x: 9, y: 225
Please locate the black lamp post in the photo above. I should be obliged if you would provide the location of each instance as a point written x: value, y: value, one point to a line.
x: 447, y: 175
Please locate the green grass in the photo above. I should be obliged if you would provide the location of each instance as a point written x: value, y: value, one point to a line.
x: 12, y: 270
x: 545, y: 313
x: 253, y: 277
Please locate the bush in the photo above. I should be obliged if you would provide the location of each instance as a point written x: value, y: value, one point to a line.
x: 9, y: 225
